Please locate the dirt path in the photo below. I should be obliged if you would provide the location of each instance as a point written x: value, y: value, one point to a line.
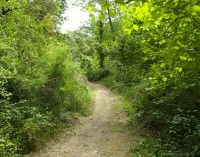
x: 104, y: 134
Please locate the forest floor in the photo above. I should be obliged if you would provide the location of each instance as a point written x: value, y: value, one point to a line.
x: 105, y: 133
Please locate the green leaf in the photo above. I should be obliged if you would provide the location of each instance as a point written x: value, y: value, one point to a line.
x: 105, y: 7
x: 196, y: 8
x: 178, y: 69
x: 128, y: 31
x: 183, y: 58
x: 162, y: 65
x: 102, y: 17
x: 92, y: 18
x: 164, y: 79
x: 90, y: 8
x: 113, y: 13
x: 176, y: 47
x: 157, y: 23
x: 119, y: 1
x: 161, y: 42
x: 145, y: 59
x: 104, y: 3
x: 123, y: 8
x: 135, y: 27
x: 190, y: 59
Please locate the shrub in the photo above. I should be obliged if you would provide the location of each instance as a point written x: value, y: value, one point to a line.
x: 8, y: 148
x: 98, y: 75
x: 33, y: 102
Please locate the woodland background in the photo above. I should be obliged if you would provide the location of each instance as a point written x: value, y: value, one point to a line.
x: 147, y: 50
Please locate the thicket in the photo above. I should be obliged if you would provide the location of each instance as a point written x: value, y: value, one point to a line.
x: 40, y: 83
x: 151, y: 50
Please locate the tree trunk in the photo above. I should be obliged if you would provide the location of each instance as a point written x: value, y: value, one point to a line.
x: 100, y: 50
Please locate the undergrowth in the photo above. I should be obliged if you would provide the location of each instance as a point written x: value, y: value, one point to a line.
x: 35, y: 103
x: 171, y: 130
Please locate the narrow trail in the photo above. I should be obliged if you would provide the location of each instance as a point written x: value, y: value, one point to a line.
x: 104, y: 134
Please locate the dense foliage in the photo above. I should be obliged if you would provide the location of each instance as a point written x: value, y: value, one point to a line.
x: 147, y: 50
x: 39, y: 81
x: 150, y: 50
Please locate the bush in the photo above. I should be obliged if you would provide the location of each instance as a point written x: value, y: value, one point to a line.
x: 39, y: 81
x: 8, y: 148
x: 98, y: 75
x: 63, y: 85
x: 33, y: 103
